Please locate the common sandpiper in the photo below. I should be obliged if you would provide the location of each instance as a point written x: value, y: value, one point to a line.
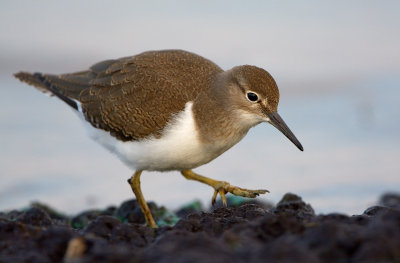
x: 168, y: 110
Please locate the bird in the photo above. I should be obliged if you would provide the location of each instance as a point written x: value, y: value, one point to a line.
x: 166, y: 110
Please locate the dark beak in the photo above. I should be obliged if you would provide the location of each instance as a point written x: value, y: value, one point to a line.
x: 278, y: 123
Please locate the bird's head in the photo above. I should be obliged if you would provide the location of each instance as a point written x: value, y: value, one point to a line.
x: 254, y: 96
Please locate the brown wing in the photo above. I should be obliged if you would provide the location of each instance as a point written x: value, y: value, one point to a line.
x: 135, y: 97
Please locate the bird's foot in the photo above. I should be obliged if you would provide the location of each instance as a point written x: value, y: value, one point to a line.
x: 221, y: 188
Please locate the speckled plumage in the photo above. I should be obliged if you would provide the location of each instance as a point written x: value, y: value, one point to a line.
x: 169, y: 110
x: 134, y: 97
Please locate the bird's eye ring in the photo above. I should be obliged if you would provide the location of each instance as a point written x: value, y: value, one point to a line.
x: 251, y: 96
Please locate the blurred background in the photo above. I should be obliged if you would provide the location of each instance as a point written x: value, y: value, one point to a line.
x: 337, y: 65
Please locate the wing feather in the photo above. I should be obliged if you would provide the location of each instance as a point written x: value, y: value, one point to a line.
x: 134, y: 97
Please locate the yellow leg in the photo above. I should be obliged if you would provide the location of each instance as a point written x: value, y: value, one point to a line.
x: 134, y: 182
x: 221, y: 187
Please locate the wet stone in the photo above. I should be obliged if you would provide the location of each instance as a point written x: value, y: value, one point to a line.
x: 35, y: 216
x: 190, y: 208
x: 293, y: 205
x: 115, y: 231
x: 183, y: 246
x: 247, y: 232
x: 129, y: 211
x: 374, y: 210
x: 220, y: 219
x: 390, y: 200
x: 236, y: 201
x: 55, y: 215
x: 12, y: 215
x: 83, y: 219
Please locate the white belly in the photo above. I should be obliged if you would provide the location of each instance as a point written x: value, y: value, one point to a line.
x: 178, y: 149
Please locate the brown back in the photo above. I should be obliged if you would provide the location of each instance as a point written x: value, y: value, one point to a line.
x: 135, y: 97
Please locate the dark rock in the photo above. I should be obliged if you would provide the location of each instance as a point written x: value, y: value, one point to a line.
x: 190, y: 208
x: 289, y: 232
x: 83, y: 219
x: 248, y: 238
x: 336, y: 217
x: 54, y: 214
x: 361, y: 220
x: 374, y: 210
x: 109, y: 253
x: 103, y: 226
x: 38, y: 242
x: 110, y: 211
x: 332, y: 242
x: 220, y: 219
x: 115, y: 231
x: 164, y: 217
x: 182, y: 246
x: 390, y: 200
x: 53, y: 241
x: 12, y: 215
x: 130, y: 211
x: 286, y: 249
x: 381, y: 239
x: 235, y: 201
x: 292, y: 204
x: 36, y: 217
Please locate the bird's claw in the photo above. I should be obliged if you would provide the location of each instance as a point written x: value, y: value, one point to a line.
x: 224, y: 187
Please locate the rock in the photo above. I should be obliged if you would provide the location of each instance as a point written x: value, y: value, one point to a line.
x: 248, y: 232
x: 182, y: 246
x: 129, y: 211
x: 54, y: 214
x: 12, y: 215
x: 374, y: 210
x: 391, y: 200
x: 83, y: 219
x: 36, y: 217
x: 115, y: 231
x: 380, y: 239
x: 292, y: 204
x: 220, y: 219
x: 235, y: 201
x: 190, y: 208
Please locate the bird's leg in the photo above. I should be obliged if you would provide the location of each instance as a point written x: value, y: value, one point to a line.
x: 134, y: 182
x: 221, y: 187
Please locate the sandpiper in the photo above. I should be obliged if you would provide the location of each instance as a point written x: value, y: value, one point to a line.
x: 168, y: 110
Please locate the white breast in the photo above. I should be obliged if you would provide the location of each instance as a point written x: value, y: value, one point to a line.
x: 179, y: 147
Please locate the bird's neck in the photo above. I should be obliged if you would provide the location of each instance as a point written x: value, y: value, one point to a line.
x: 217, y: 124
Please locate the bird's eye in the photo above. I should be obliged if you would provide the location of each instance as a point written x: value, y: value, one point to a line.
x: 251, y: 96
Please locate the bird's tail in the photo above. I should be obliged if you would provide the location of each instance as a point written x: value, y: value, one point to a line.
x: 65, y: 87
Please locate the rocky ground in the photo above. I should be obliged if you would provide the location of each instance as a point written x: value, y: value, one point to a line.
x: 243, y: 232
